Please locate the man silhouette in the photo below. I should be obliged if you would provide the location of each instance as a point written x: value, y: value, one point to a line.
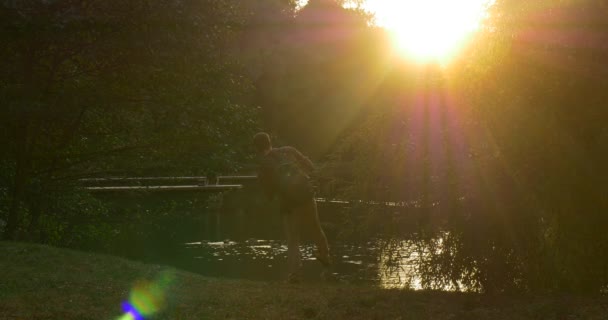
x: 285, y: 172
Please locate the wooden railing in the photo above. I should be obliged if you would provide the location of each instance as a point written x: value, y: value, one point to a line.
x: 118, y: 184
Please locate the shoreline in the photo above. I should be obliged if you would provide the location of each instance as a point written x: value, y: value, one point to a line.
x: 43, y: 282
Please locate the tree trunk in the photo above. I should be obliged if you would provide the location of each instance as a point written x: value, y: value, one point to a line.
x: 17, y: 196
x: 33, y: 231
x: 18, y: 190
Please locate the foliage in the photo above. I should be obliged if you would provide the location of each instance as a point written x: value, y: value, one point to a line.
x: 307, y: 95
x: 541, y: 103
x: 492, y: 166
x: 503, y: 151
x: 494, y: 157
x: 96, y: 87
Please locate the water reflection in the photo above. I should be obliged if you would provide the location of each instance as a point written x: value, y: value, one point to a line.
x: 370, y: 263
x: 398, y: 267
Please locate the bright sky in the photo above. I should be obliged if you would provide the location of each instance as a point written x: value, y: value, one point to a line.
x: 428, y: 29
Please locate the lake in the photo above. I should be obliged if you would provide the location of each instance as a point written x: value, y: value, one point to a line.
x: 176, y: 223
x: 366, y: 263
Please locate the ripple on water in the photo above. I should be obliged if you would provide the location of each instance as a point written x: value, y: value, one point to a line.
x: 366, y: 263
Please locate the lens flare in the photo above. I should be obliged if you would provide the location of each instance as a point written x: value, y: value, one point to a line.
x: 147, y: 297
x: 130, y: 312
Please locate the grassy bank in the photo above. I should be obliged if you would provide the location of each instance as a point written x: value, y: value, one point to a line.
x: 40, y: 282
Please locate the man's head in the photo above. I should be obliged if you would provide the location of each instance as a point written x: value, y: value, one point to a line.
x: 261, y: 141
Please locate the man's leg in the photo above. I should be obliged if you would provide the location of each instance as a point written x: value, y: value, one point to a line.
x: 292, y: 231
x: 310, y: 216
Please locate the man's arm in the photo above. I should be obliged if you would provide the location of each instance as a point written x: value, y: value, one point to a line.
x: 303, y: 161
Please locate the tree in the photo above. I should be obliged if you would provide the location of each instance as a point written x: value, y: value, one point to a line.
x: 503, y: 150
x: 328, y: 62
x: 94, y: 87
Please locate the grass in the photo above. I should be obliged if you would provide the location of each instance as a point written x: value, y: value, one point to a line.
x: 41, y: 282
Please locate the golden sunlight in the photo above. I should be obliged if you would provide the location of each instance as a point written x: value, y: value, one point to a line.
x: 429, y: 30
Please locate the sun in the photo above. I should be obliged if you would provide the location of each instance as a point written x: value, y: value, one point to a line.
x: 429, y: 30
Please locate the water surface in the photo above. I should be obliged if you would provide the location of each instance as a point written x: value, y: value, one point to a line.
x: 363, y: 263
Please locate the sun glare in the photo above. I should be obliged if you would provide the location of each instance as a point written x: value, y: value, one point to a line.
x: 429, y: 30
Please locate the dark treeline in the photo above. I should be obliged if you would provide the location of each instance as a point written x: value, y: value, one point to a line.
x: 504, y: 148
